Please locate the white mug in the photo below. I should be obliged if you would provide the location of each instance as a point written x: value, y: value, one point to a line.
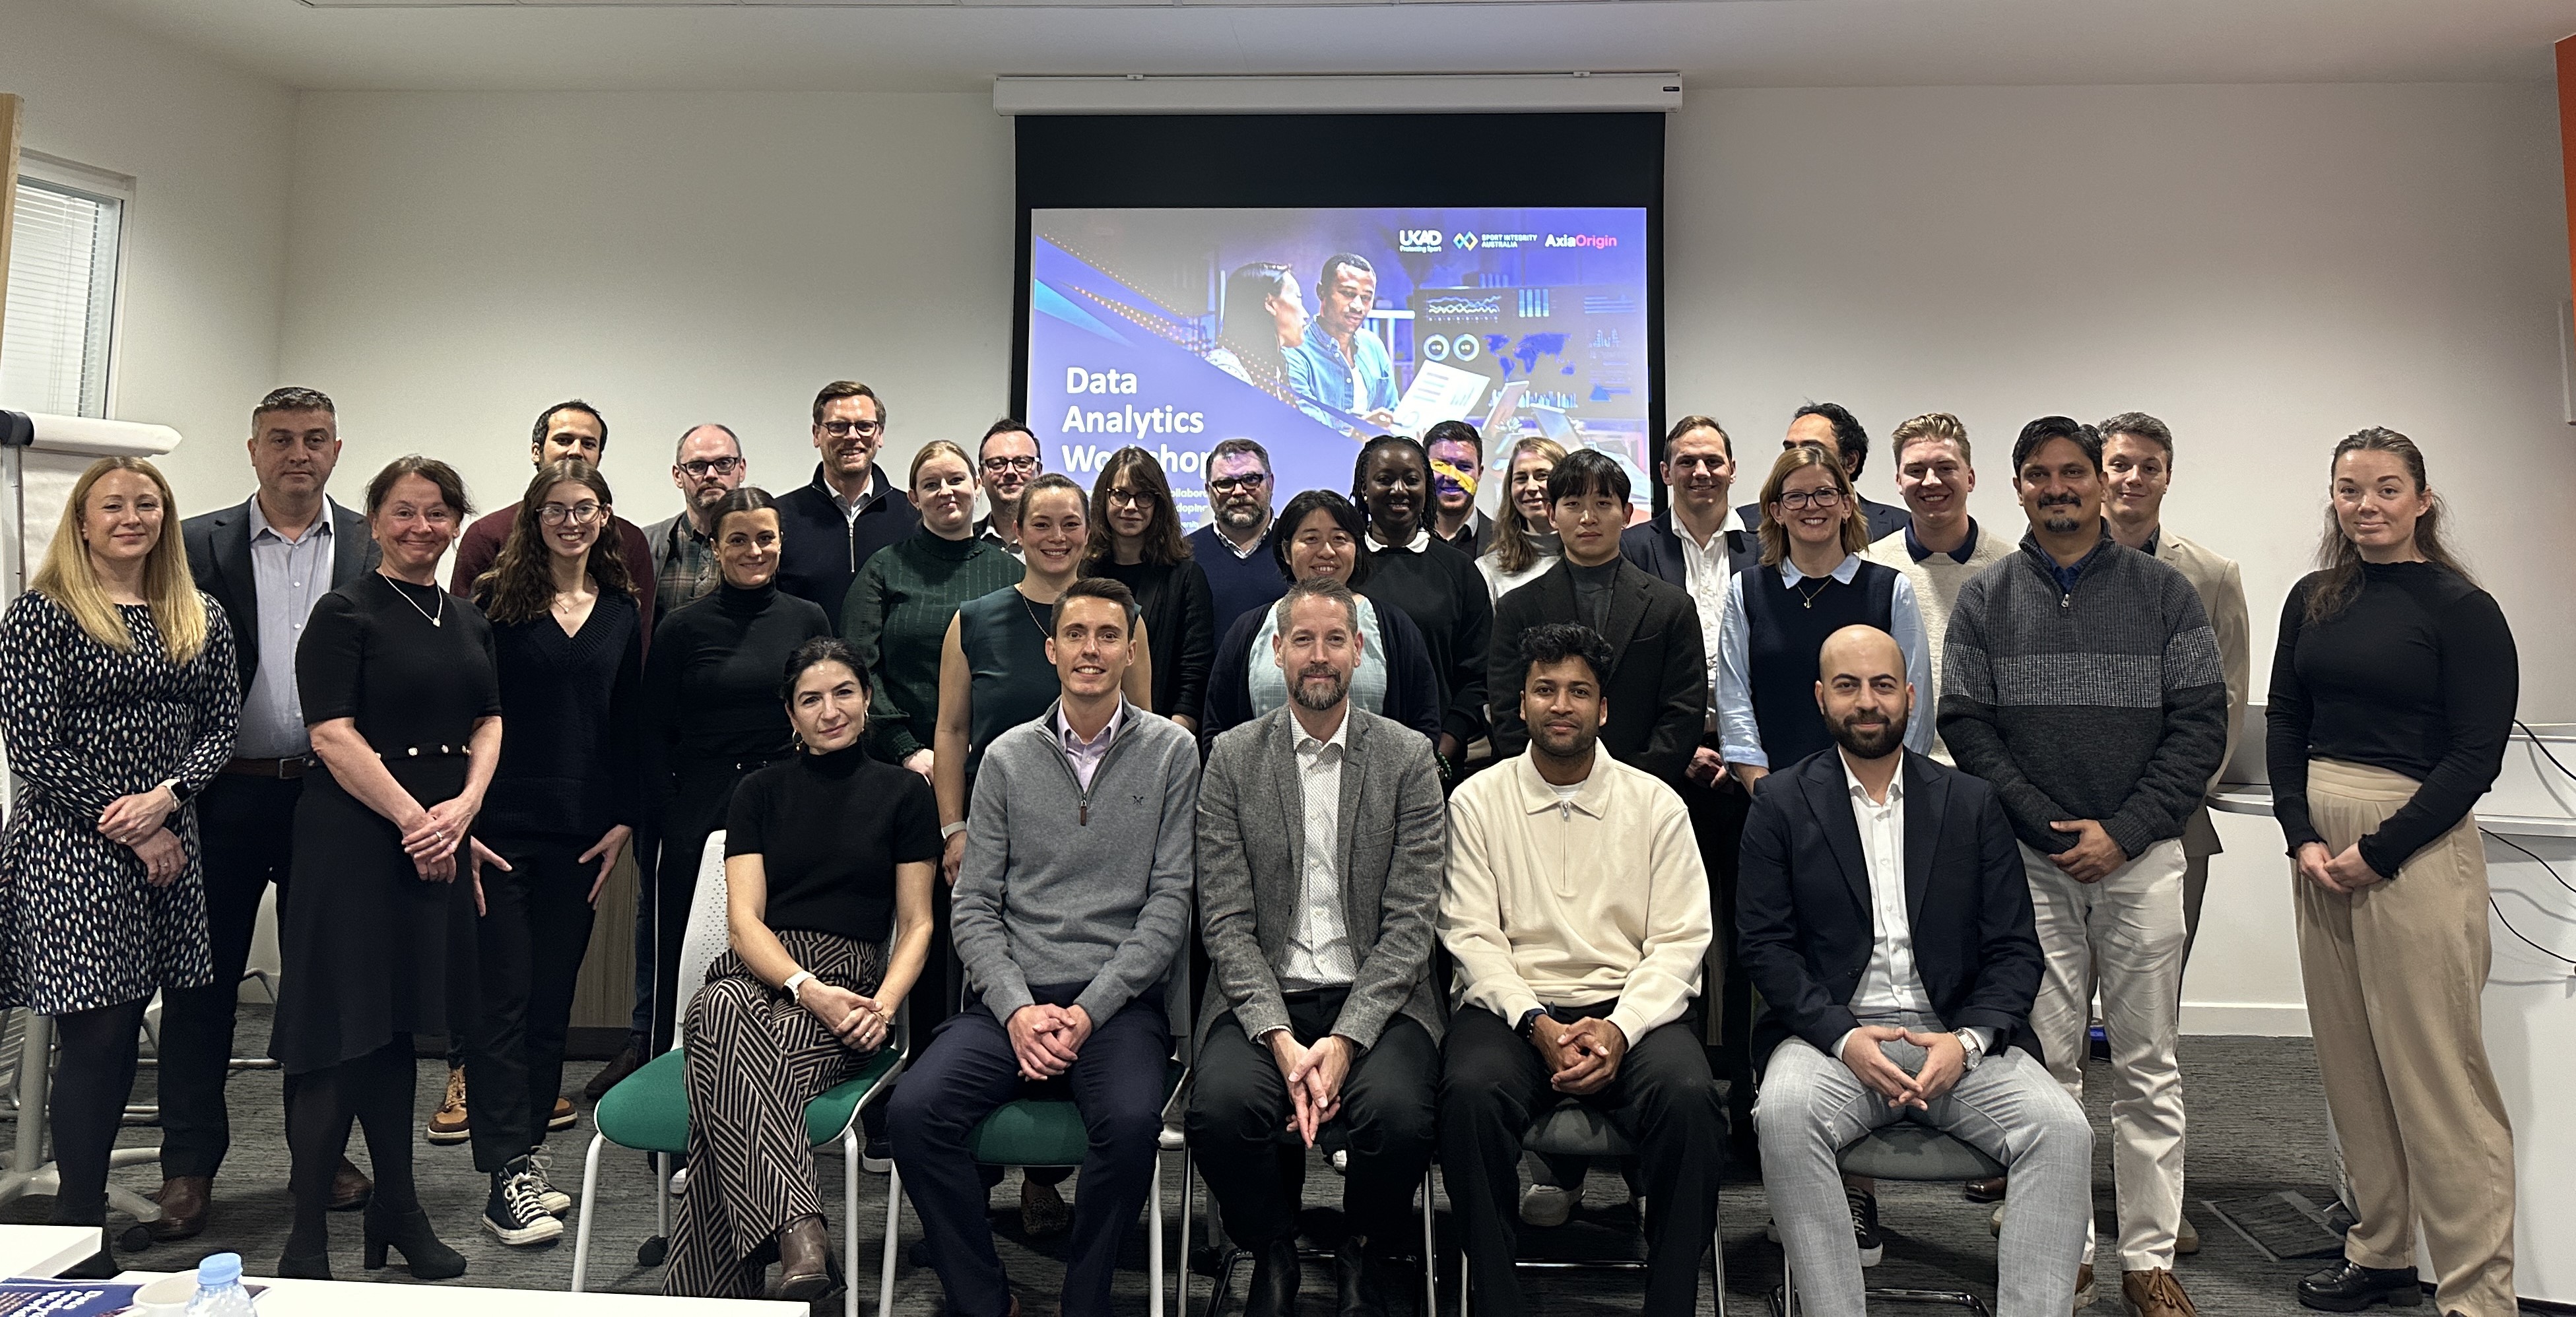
x: 166, y: 1297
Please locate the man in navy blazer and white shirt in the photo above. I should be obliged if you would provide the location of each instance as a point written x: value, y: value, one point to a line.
x: 264, y: 562
x: 1886, y: 921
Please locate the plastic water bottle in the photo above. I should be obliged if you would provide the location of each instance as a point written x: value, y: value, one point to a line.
x: 219, y: 1289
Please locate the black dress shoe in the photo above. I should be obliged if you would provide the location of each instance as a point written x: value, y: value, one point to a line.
x: 1367, y: 1283
x: 2347, y: 1286
x: 1274, y: 1280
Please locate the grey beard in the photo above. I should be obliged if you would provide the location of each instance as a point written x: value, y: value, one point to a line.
x: 1313, y: 703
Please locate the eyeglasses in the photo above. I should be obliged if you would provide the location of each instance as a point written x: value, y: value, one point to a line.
x: 847, y: 429
x: 579, y: 514
x: 1824, y: 499
x: 1130, y: 498
x: 998, y: 465
x: 700, y: 469
x: 1230, y: 484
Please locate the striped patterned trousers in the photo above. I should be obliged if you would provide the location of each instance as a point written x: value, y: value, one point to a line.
x: 755, y: 1058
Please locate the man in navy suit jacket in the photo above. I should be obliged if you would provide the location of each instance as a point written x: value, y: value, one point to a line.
x: 1886, y: 921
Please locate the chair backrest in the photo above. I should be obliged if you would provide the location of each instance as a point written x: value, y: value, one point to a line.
x: 707, y: 935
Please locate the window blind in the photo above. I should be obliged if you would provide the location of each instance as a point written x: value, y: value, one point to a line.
x: 62, y: 300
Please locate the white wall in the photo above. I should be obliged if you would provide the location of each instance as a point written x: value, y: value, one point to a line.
x: 205, y: 240
x: 2268, y: 268
x: 460, y: 261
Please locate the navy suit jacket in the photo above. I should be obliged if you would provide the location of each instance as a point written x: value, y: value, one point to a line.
x: 1804, y: 917
x: 1651, y: 545
x: 218, y: 545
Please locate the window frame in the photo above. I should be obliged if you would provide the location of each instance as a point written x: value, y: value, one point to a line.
x: 70, y: 176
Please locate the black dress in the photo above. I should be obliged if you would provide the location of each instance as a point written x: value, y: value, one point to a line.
x: 370, y: 950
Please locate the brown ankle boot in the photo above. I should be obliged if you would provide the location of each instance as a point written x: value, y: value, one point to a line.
x: 804, y: 1260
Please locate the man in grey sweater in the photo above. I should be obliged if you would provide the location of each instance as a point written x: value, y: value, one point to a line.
x: 1071, y: 906
x: 2082, y: 681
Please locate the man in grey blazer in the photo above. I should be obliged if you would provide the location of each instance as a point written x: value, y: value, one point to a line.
x: 1320, y: 835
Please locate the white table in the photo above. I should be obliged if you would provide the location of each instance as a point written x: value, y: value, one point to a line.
x: 338, y: 1298
x: 43, y: 1252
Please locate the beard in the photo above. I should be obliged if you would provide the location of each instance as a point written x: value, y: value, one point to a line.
x: 1315, y: 699
x: 2061, y: 516
x: 1868, y: 743
x: 1573, y: 745
x: 1241, y: 516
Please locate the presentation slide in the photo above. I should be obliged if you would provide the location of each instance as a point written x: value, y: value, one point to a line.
x: 1311, y: 330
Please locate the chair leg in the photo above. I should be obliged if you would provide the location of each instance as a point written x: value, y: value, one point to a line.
x: 1181, y: 1272
x: 1154, y: 1240
x: 1465, y: 1287
x: 894, y: 1221
x: 850, y: 1219
x: 1717, y: 1262
x: 1430, y: 1256
x: 581, y: 1224
x: 661, y: 1195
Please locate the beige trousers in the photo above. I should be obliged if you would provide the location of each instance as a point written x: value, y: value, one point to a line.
x: 2394, y: 974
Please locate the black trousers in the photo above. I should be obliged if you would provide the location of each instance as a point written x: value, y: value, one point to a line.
x: 533, y: 934
x: 1239, y: 1106
x: 1717, y: 823
x: 964, y: 1075
x: 246, y: 832
x: 1662, y: 1101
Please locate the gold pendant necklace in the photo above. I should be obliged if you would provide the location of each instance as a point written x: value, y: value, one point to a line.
x: 1809, y: 596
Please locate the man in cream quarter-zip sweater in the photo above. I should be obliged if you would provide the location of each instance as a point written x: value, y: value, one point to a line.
x: 1576, y: 908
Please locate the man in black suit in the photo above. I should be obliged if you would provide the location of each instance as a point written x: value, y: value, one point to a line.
x: 1697, y: 544
x: 1886, y: 921
x: 1831, y: 426
x: 1658, y: 686
x: 265, y: 563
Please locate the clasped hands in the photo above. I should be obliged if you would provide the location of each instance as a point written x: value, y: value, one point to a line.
x: 860, y: 1022
x: 1583, y: 1057
x: 1944, y: 1060
x: 135, y: 822
x: 2093, y: 856
x: 2342, y: 874
x: 431, y: 838
x: 1314, y: 1076
x: 1047, y: 1039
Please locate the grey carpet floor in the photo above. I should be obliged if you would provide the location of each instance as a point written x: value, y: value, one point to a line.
x: 2257, y: 1124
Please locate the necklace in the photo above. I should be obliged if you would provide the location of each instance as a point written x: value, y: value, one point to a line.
x: 435, y: 619
x: 1809, y: 596
x: 1039, y: 622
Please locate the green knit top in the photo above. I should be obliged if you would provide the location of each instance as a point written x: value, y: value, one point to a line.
x: 897, y: 616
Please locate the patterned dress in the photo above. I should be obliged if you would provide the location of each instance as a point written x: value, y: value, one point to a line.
x: 80, y: 928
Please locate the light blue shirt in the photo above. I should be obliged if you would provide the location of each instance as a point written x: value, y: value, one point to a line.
x: 1360, y: 383
x: 289, y: 575
x: 1085, y: 756
x: 1740, y: 737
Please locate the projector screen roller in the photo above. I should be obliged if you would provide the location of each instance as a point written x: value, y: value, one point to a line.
x: 1311, y: 330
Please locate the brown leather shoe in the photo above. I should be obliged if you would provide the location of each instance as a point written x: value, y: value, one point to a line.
x: 183, y: 1207
x: 804, y: 1260
x: 2084, y: 1287
x: 1984, y: 1191
x: 2155, y: 1293
x: 350, y: 1188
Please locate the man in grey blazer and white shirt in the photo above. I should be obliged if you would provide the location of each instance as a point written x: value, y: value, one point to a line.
x: 1320, y: 839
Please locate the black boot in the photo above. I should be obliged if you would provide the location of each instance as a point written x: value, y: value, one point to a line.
x: 2347, y: 1286
x: 1274, y: 1280
x: 1367, y: 1283
x: 316, y: 1265
x: 410, y: 1232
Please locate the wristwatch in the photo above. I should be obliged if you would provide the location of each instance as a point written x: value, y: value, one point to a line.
x: 1529, y: 1022
x: 1972, y: 1049
x: 948, y: 830
x: 178, y: 790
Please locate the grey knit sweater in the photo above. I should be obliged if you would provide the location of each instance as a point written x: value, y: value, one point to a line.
x: 1062, y: 887
x: 2106, y: 702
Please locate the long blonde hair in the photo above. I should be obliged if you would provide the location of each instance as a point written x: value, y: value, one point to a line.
x: 71, y: 581
x: 1515, y: 540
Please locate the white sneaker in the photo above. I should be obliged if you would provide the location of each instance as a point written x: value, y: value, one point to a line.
x: 555, y: 1201
x: 680, y: 1182
x: 1546, y: 1205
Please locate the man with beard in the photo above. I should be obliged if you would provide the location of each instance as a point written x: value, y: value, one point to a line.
x: 708, y: 466
x: 1010, y: 459
x: 1887, y: 924
x: 568, y: 429
x: 2082, y: 681
x: 1319, y: 835
x: 1234, y: 547
x: 828, y: 529
x: 1578, y: 916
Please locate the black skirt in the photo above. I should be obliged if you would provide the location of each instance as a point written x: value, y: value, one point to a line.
x: 369, y: 950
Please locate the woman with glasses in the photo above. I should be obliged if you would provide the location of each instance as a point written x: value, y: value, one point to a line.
x: 1320, y: 535
x: 1135, y: 539
x: 1525, y: 544
x: 1812, y: 582
x: 1418, y: 574
x: 569, y: 639
x: 712, y: 712
x: 399, y: 688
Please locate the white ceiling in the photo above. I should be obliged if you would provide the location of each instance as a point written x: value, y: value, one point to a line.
x: 906, y: 45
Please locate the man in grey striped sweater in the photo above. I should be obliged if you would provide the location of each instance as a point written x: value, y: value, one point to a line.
x: 2083, y: 682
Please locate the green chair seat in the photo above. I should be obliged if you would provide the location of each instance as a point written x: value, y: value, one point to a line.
x: 1043, y: 1131
x: 649, y: 1110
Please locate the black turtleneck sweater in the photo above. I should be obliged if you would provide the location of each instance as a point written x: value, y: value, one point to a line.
x: 711, y: 682
x: 830, y: 830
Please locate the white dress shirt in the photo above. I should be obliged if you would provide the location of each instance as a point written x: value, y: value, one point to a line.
x: 1318, y: 954
x: 1890, y: 984
x: 1740, y: 734
x: 1706, y: 568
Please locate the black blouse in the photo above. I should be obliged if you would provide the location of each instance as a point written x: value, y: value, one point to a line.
x: 711, y: 681
x: 1440, y: 589
x: 570, y: 706
x: 412, y: 665
x: 830, y: 830
x: 2418, y: 675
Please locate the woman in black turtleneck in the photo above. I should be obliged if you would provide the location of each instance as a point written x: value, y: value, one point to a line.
x: 711, y: 688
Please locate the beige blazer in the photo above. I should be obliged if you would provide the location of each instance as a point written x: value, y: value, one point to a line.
x: 2222, y: 596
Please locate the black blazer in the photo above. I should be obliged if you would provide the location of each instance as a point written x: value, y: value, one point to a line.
x: 218, y: 545
x: 1658, y: 683
x: 1885, y: 519
x: 1803, y: 914
x: 1652, y: 546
